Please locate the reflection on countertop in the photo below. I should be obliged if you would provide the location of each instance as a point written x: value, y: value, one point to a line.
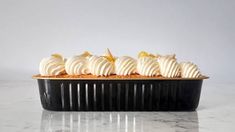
x: 119, y: 121
x: 21, y: 111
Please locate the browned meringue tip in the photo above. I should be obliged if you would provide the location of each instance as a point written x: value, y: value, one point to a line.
x: 108, y: 52
x: 56, y: 55
x: 108, y: 55
x: 85, y: 54
x: 146, y: 54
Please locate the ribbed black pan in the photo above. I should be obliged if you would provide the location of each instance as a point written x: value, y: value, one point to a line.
x: 119, y: 94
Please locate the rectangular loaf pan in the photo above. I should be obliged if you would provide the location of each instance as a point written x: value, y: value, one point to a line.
x: 100, y: 94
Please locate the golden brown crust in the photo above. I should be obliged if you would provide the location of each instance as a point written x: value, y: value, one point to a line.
x: 111, y: 77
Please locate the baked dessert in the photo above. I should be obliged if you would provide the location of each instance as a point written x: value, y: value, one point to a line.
x: 87, y: 82
x: 147, y: 65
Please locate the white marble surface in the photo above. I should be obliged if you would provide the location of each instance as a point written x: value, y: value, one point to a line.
x: 20, y: 111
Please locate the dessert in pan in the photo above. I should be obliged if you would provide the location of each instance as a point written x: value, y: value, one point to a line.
x: 88, y: 82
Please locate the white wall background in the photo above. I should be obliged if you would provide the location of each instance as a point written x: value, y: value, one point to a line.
x: 201, y: 31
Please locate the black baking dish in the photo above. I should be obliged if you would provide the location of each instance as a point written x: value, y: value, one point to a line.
x: 153, y: 94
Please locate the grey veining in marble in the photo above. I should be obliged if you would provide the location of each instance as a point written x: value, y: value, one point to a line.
x: 20, y: 110
x: 119, y: 121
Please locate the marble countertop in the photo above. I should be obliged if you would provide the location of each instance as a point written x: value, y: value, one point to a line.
x: 21, y: 111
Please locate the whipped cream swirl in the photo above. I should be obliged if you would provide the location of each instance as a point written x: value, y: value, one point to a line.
x: 77, y: 65
x: 169, y: 67
x: 52, y: 66
x: 100, y: 66
x: 147, y: 66
x: 189, y: 70
x: 125, y: 66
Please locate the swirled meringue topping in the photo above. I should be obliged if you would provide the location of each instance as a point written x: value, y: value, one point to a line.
x: 168, y: 67
x: 125, y: 65
x: 189, y: 70
x: 147, y: 66
x: 100, y: 66
x: 53, y: 65
x: 77, y: 65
